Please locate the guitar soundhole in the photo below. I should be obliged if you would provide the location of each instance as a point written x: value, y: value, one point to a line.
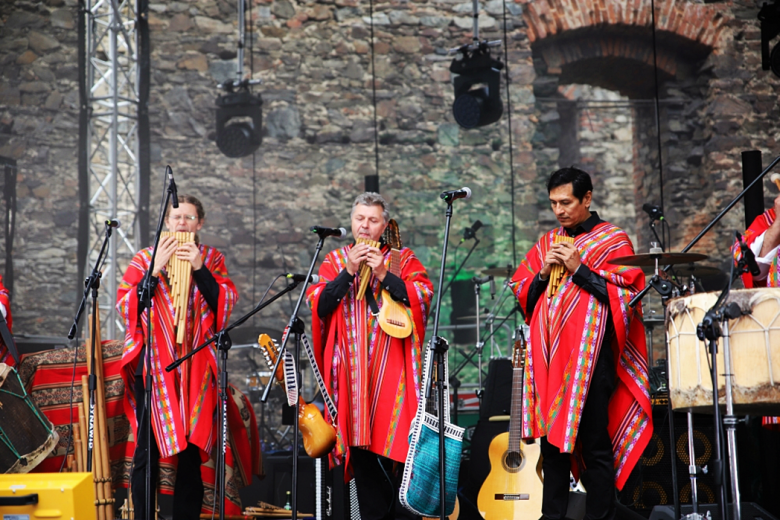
x: 513, y: 460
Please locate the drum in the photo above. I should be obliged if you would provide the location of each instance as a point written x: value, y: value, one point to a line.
x: 26, y: 435
x: 754, y: 353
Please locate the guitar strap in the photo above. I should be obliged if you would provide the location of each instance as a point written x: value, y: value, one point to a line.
x: 372, y: 302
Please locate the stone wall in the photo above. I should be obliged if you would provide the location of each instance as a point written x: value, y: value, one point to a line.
x: 315, y: 63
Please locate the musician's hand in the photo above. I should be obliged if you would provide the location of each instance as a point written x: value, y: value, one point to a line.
x: 376, y: 261
x: 165, y: 249
x: 549, y: 260
x: 568, y: 255
x: 190, y: 252
x: 356, y: 255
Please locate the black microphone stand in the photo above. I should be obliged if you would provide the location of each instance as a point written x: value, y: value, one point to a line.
x: 641, y: 294
x: 91, y: 284
x: 439, y: 347
x: 145, y: 299
x: 223, y: 345
x: 710, y: 330
x: 296, y: 326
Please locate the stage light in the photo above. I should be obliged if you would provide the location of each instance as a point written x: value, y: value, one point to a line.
x: 239, y: 123
x: 477, y: 84
x: 769, y: 16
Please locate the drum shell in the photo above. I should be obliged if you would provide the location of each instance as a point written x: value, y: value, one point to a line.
x: 754, y: 353
x: 23, y: 425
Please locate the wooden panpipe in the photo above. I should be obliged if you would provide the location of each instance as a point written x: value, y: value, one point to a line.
x: 558, y: 270
x: 365, y: 270
x: 180, y: 278
x: 101, y: 466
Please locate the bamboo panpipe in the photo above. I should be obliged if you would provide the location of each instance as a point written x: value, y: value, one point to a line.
x: 558, y: 270
x: 775, y: 177
x: 365, y: 270
x: 180, y: 277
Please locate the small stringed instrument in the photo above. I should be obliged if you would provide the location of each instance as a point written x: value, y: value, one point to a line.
x: 394, y: 316
x: 513, y: 488
x: 319, y: 437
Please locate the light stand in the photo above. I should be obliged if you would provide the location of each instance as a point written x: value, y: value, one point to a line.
x: 92, y: 284
x: 223, y: 345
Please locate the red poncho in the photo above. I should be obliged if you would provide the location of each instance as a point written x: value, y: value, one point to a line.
x: 566, y: 335
x: 5, y: 354
x: 756, y: 229
x: 183, y: 400
x: 374, y: 379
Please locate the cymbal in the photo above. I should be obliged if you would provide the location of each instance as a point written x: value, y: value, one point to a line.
x: 499, y: 271
x: 663, y: 259
x: 698, y: 271
x: 481, y: 317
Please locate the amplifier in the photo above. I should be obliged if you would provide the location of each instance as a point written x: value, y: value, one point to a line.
x: 47, y: 495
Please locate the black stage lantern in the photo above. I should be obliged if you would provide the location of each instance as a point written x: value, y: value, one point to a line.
x: 244, y: 135
x: 477, y: 84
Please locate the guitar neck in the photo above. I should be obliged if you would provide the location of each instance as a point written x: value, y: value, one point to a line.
x: 395, y: 262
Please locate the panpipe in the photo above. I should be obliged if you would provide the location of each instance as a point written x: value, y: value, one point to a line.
x: 180, y: 278
x: 558, y: 270
x: 365, y: 270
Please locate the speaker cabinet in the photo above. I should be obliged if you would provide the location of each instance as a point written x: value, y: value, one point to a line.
x: 650, y: 484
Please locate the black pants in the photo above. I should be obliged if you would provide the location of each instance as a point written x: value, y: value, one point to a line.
x: 599, y: 475
x: 378, y: 496
x: 188, y: 490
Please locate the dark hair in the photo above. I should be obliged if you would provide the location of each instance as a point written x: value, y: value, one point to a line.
x: 579, y: 180
x: 188, y: 199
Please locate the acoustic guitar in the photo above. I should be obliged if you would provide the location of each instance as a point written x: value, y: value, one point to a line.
x: 319, y: 437
x: 513, y: 488
x: 394, y: 316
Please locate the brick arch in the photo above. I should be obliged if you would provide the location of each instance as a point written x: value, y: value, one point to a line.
x: 695, y: 22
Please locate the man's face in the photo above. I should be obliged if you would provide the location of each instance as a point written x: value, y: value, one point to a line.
x: 568, y: 209
x: 367, y: 222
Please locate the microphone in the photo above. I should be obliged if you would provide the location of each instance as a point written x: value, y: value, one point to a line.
x: 329, y: 232
x: 296, y: 277
x: 653, y: 210
x: 749, y: 256
x: 114, y: 223
x: 463, y: 193
x: 172, y: 187
x: 470, y: 232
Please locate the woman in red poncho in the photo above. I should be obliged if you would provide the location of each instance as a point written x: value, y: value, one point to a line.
x: 183, y: 400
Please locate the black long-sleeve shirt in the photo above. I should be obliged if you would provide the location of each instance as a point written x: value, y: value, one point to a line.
x: 335, y: 291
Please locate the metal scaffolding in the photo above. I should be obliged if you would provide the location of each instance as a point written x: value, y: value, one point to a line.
x: 110, y: 169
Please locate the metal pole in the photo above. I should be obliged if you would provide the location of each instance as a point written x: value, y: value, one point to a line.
x: 730, y: 423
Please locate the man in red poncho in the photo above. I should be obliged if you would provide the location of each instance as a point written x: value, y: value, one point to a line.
x: 5, y: 308
x: 763, y: 238
x: 373, y: 377
x: 183, y: 400
x: 586, y: 391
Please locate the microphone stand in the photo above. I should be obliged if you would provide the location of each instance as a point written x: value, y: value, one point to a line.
x: 8, y: 339
x: 145, y: 298
x: 439, y: 347
x: 641, y: 294
x: 92, y: 284
x: 223, y: 345
x: 295, y: 326
x: 711, y: 329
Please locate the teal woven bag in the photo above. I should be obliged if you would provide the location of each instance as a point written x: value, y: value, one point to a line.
x: 420, y: 490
